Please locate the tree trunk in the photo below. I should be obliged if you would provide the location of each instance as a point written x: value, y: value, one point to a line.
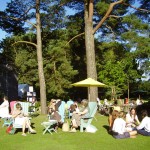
x: 40, y: 61
x: 90, y: 53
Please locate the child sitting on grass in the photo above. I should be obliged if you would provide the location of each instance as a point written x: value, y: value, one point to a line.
x: 119, y: 128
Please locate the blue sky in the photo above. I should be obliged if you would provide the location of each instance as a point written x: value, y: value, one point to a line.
x: 2, y: 7
x: 3, y: 4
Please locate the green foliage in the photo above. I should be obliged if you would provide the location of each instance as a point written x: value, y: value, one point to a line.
x: 58, y: 68
x: 117, y: 63
x: 12, y: 19
x: 57, y: 64
x: 27, y: 65
x: 145, y: 86
x: 138, y: 39
x: 17, y: 16
x: 102, y: 7
x: 116, y: 67
x: 134, y: 23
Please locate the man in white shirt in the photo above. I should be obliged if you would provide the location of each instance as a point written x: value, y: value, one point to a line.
x: 144, y: 127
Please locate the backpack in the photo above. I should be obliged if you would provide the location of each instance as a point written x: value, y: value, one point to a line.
x: 10, y: 130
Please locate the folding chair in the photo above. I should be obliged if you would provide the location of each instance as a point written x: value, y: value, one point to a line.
x: 48, y: 126
x: 7, y: 121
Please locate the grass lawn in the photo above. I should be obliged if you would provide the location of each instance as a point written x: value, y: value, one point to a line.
x: 100, y: 140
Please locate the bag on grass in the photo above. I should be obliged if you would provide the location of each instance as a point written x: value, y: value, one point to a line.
x: 91, y: 129
x: 65, y: 127
x: 10, y: 130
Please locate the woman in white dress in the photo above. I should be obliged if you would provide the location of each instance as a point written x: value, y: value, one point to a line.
x: 4, y: 108
x: 22, y: 119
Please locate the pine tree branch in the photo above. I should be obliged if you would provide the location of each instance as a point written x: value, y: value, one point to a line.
x: 114, y: 16
x: 111, y: 6
x: 30, y: 23
x: 19, y: 19
x: 25, y: 42
x: 140, y: 9
x: 61, y: 4
x: 26, y: 12
x: 74, y: 38
x: 110, y: 28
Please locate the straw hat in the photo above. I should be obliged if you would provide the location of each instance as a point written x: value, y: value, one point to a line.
x: 117, y: 108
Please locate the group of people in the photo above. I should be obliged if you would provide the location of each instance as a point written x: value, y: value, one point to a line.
x: 122, y: 125
x: 19, y: 117
x: 77, y: 112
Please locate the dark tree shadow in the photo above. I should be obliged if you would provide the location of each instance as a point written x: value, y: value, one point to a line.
x: 145, y: 106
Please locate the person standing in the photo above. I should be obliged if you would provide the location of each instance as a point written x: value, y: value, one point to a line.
x: 4, y: 108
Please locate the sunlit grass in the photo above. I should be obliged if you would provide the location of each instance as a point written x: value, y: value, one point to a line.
x: 100, y: 140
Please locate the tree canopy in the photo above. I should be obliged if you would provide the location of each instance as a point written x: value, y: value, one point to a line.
x: 121, y: 45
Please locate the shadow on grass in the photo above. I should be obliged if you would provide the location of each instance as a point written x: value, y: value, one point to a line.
x: 107, y: 129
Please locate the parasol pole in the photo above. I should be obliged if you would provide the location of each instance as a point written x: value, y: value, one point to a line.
x: 89, y: 93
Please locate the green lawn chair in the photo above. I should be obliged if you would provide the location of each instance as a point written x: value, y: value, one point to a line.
x: 85, y: 122
x: 69, y: 103
x: 61, y: 111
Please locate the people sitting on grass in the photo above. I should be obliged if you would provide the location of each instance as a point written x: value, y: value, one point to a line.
x: 119, y: 128
x: 22, y: 119
x: 113, y: 114
x: 4, y: 108
x: 144, y: 127
x: 77, y: 115
x: 132, y: 120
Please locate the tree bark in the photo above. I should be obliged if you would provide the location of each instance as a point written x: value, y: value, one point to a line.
x: 40, y: 61
x: 90, y: 49
x: 89, y: 41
